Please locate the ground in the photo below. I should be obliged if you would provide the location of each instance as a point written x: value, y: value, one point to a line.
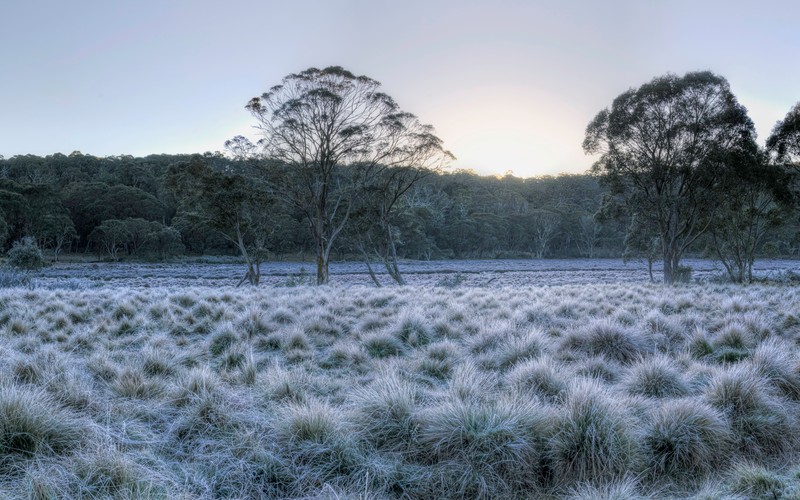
x: 605, y: 390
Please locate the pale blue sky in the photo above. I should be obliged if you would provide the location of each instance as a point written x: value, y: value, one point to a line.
x: 509, y: 85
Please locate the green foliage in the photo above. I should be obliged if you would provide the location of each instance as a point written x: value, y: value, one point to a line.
x: 26, y: 254
x: 662, y: 147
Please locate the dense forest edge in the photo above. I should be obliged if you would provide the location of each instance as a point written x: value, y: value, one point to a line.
x: 66, y: 202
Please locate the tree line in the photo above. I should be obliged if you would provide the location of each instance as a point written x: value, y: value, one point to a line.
x: 341, y: 172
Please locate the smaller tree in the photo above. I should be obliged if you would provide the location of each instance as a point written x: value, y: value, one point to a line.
x: 230, y: 204
x: 164, y: 242
x: 112, y: 235
x: 642, y: 242
x: 544, y: 227
x: 754, y: 198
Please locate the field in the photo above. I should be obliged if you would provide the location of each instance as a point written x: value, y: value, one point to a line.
x: 608, y: 390
x: 472, y: 273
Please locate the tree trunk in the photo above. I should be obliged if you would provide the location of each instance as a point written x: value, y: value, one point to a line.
x: 369, y: 266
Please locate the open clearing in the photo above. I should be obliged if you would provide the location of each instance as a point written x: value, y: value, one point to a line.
x: 615, y: 390
x: 472, y: 273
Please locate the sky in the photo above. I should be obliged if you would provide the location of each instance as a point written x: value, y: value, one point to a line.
x: 508, y: 85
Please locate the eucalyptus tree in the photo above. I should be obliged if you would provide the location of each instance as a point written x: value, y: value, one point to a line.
x: 232, y: 205
x: 662, y: 147
x: 784, y: 142
x: 328, y: 133
x: 755, y: 198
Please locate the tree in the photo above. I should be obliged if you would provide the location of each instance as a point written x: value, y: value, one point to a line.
x: 378, y: 217
x: 113, y: 236
x: 229, y: 204
x: 328, y: 133
x: 755, y: 197
x: 643, y: 242
x: 661, y: 147
x: 784, y: 142
x: 544, y: 225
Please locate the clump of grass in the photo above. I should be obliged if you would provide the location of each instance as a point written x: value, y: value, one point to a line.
x: 296, y: 340
x: 32, y: 424
x: 343, y: 355
x: 518, y: 349
x: 439, y: 360
x: 611, y: 340
x: 110, y: 473
x: 222, y: 340
x: 756, y: 482
x: 313, y: 438
x: 233, y: 358
x: 132, y: 383
x: 283, y: 316
x: 206, y: 418
x: 760, y: 424
x: 699, y: 346
x: 593, y: 438
x: 383, y: 345
x: 286, y: 385
x: 685, y: 439
x: 468, y: 383
x: 253, y: 324
x: 485, y: 450
x: 541, y: 377
x: 413, y: 331
x: 197, y: 383
x: 123, y: 311
x: 732, y: 344
x: 624, y: 489
x: 655, y: 377
x: 773, y: 361
x: 385, y: 413
x: 156, y: 363
x: 28, y: 371
x: 599, y: 368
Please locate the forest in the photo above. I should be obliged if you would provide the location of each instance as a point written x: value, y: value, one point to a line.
x: 67, y: 202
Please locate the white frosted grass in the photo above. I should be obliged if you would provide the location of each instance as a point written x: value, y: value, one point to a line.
x: 599, y: 390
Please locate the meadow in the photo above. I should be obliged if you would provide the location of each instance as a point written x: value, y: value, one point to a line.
x: 576, y: 391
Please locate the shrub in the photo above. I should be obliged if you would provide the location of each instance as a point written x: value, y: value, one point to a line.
x: 25, y: 254
x: 682, y: 274
x: 592, y: 440
x: 684, y: 438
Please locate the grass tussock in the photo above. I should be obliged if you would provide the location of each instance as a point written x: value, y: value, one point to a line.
x: 606, y: 391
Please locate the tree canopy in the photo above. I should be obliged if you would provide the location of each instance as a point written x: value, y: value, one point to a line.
x: 662, y: 147
x: 331, y: 132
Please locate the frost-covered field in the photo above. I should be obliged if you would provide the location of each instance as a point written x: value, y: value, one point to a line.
x: 616, y: 390
x: 449, y: 272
